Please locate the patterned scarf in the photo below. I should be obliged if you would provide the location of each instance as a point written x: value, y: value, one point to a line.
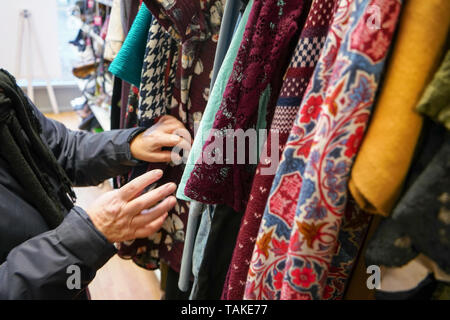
x: 296, y: 80
x: 259, y: 66
x: 298, y: 237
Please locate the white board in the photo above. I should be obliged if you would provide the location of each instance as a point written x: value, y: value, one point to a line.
x: 45, y: 28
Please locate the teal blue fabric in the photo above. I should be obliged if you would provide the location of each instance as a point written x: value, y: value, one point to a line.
x: 214, y: 102
x: 127, y: 65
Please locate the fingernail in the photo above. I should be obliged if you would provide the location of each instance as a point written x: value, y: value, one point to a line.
x: 158, y: 172
x: 170, y: 185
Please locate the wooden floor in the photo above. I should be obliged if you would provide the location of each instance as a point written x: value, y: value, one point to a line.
x: 118, y: 279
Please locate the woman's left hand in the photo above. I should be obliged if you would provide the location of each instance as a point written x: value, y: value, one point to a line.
x: 167, y: 132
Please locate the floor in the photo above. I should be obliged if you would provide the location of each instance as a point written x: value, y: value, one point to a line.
x: 118, y: 279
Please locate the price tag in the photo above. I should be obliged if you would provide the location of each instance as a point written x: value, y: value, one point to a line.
x: 90, y: 4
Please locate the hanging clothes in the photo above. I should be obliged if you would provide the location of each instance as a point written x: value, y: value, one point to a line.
x: 171, y: 291
x: 295, y: 82
x: 298, y: 234
x: 228, y: 26
x: 131, y: 8
x: 229, y: 22
x: 214, y: 102
x: 354, y: 227
x: 128, y: 63
x: 131, y: 119
x: 157, y: 80
x: 435, y: 101
x: 195, y: 27
x: 356, y: 288
x: 257, y: 71
x: 125, y: 93
x: 187, y: 268
x: 420, y: 222
x: 419, y: 45
x: 403, y: 269
x: 158, y: 75
x: 115, y: 104
x: 201, y: 240
x: 217, y: 253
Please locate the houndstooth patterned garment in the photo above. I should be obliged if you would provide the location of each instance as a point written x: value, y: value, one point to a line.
x: 158, y: 75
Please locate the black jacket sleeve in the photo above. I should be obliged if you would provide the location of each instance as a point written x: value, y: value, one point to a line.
x: 89, y: 158
x: 43, y: 267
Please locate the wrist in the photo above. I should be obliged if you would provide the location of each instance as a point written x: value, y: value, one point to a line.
x: 87, y: 242
x: 130, y: 141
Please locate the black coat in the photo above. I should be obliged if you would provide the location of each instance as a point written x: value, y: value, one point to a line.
x: 34, y: 260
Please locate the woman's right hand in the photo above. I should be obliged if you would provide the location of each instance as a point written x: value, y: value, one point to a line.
x: 124, y: 214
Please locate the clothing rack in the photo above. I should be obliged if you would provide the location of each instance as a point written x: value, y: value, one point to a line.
x: 313, y: 202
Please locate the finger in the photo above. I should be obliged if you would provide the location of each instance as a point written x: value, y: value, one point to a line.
x: 166, y: 140
x: 150, y: 198
x: 184, y: 133
x: 175, y: 126
x: 166, y: 118
x: 151, y: 228
x: 170, y: 120
x: 163, y: 156
x: 134, y: 187
x: 169, y: 123
x: 181, y: 152
x: 149, y: 215
x: 183, y: 144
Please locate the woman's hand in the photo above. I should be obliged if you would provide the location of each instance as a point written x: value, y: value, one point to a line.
x: 167, y: 132
x: 124, y: 214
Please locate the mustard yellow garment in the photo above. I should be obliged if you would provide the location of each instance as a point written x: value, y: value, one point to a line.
x: 387, y: 150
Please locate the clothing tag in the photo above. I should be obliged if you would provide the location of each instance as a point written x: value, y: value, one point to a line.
x: 90, y: 4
